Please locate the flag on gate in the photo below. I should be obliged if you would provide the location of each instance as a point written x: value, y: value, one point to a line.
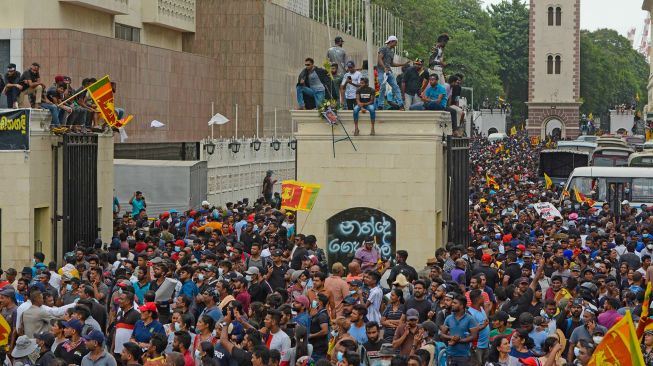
x: 102, y: 94
x: 548, y: 181
x: 298, y: 196
x: 619, y: 346
x: 513, y: 131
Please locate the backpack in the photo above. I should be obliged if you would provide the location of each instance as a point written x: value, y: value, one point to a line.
x: 440, y: 354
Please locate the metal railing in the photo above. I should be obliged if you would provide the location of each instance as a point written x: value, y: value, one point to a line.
x: 348, y: 16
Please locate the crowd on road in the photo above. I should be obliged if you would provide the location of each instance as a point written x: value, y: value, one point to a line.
x: 236, y: 284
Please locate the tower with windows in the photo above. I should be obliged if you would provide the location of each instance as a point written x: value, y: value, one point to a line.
x: 554, y: 68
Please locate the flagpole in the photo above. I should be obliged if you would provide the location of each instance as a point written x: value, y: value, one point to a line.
x: 71, y: 97
x: 306, y: 219
x: 212, y: 114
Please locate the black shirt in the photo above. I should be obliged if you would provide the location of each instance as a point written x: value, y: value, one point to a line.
x: 296, y: 262
x: 12, y: 79
x: 514, y: 271
x: 75, y: 355
x: 320, y: 344
x: 277, y: 278
x: 423, y: 307
x: 414, y: 80
x: 241, y: 357
x: 456, y: 90
x: 29, y: 75
x: 491, y: 275
x: 259, y: 291
x: 248, y: 238
x: 365, y: 93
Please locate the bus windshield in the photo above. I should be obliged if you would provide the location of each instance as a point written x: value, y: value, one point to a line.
x: 614, y: 161
x: 593, y: 188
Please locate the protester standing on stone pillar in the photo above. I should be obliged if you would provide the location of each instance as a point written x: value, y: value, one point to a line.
x: 385, y: 62
x: 338, y: 55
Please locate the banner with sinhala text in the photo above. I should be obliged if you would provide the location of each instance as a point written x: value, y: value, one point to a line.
x: 14, y: 129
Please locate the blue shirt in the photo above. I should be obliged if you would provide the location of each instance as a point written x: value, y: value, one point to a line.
x: 140, y: 291
x: 461, y: 328
x: 483, y: 334
x: 137, y: 206
x: 189, y: 288
x: 359, y: 334
x: 434, y: 93
x: 143, y: 333
x: 303, y: 319
x: 213, y: 312
x: 538, y: 338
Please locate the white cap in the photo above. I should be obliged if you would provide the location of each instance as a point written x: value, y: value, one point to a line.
x: 391, y: 38
x: 206, y: 203
x: 625, y: 202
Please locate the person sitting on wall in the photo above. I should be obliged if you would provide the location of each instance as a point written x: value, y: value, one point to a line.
x: 364, y: 102
x: 434, y: 97
x: 311, y: 81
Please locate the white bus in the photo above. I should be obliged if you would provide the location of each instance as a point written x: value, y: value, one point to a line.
x: 613, y: 185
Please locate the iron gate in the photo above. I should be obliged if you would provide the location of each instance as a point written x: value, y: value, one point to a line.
x: 458, y: 190
x: 80, y: 209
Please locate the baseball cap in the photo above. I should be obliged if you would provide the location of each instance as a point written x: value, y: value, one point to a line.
x: 75, y: 324
x: 339, y: 39
x: 277, y: 253
x: 349, y: 300
x: 486, y: 258
x: 148, y: 306
x: 302, y: 300
x: 252, y: 271
x: 412, y: 314
x: 350, y: 64
x: 391, y: 38
x: 11, y: 67
x: 46, y: 337
x: 95, y: 335
x: 521, y: 247
x: 530, y: 361
x: 357, y: 283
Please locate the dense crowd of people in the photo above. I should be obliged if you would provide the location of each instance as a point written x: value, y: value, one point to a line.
x: 237, y: 284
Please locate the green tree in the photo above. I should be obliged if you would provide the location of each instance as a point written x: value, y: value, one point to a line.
x: 510, y: 20
x: 611, y: 72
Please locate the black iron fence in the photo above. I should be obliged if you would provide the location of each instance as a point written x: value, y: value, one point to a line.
x: 458, y: 172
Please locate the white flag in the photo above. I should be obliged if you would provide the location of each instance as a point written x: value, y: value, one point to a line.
x: 218, y: 119
x: 156, y: 124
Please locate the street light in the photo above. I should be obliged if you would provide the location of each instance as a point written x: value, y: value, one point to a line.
x: 276, y: 145
x: 256, y: 144
x: 472, y: 90
x: 292, y: 144
x: 209, y: 147
x: 234, y: 146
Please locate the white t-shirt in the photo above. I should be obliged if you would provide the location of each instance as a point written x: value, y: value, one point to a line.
x: 350, y: 90
x: 373, y: 311
x: 280, y: 341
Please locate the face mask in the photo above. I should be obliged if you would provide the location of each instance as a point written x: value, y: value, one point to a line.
x: 650, y: 246
x: 200, y: 277
x: 220, y: 271
x: 198, y: 354
x: 314, y: 304
x: 248, y: 278
x: 576, y: 351
x: 120, y: 291
x: 38, y: 349
x: 177, y: 327
x: 352, y: 292
x: 33, y: 261
x: 339, y: 356
x: 177, y: 249
x: 69, y: 287
x: 597, y: 339
x: 334, y: 333
x: 303, y: 283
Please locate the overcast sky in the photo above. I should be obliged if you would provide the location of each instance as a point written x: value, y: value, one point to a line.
x: 619, y: 15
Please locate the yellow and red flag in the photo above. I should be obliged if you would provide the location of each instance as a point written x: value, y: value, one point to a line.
x: 5, y: 331
x: 513, y: 131
x: 102, y: 94
x: 490, y: 181
x: 645, y: 323
x: 298, y: 196
x: 535, y: 140
x: 620, y: 346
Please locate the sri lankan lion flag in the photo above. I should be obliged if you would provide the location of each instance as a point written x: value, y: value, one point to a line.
x: 5, y: 331
x: 620, y: 346
x: 491, y: 182
x: 298, y: 196
x: 102, y: 94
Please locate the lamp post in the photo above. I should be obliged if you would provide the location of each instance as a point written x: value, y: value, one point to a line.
x: 256, y: 144
x: 368, y: 36
x: 209, y: 147
x: 472, y: 90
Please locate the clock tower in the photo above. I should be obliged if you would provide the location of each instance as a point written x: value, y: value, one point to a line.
x: 554, y: 68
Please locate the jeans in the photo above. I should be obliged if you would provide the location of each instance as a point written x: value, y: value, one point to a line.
x: 12, y: 96
x: 392, y: 81
x: 429, y: 106
x: 317, y: 94
x: 409, y: 100
x: 54, y: 111
x: 458, y: 360
x: 370, y: 108
x: 119, y: 113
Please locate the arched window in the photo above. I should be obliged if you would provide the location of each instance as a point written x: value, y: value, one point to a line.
x: 550, y: 15
x: 558, y: 16
x: 557, y: 66
x: 549, y: 65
